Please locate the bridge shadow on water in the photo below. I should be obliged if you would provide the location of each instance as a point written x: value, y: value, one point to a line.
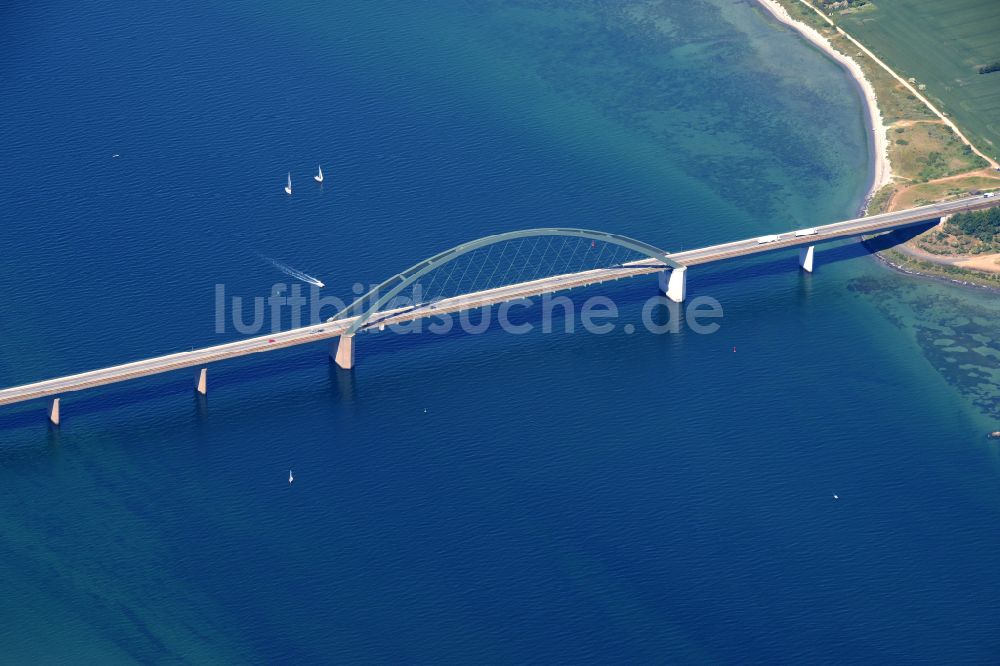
x: 341, y: 386
x: 885, y: 241
x: 785, y: 262
x: 146, y: 390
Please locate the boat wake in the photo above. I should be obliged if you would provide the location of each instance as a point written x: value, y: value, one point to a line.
x: 291, y: 272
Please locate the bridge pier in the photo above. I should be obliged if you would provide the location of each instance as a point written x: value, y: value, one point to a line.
x: 806, y: 255
x: 202, y: 385
x: 54, y: 412
x: 344, y: 354
x: 674, y: 286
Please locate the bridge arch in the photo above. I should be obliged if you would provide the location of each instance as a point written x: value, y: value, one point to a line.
x: 399, y: 282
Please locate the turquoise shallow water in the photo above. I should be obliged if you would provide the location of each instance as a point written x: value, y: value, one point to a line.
x: 459, y: 498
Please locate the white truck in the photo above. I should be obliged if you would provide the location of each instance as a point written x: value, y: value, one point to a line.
x: 767, y: 239
x: 806, y: 232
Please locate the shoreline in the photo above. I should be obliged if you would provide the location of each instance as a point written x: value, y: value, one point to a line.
x: 959, y: 261
x: 938, y: 277
x: 879, y: 145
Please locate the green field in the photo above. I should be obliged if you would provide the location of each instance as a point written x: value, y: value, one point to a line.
x: 941, y: 44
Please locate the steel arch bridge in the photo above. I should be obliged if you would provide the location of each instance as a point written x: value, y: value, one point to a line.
x: 370, y: 304
x: 671, y: 269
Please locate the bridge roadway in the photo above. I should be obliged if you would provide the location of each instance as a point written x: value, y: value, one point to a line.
x: 332, y: 329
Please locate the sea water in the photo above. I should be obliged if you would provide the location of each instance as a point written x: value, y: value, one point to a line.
x: 472, y: 498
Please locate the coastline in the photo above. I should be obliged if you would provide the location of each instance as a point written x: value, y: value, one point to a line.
x: 895, y: 258
x: 966, y: 278
x: 879, y: 145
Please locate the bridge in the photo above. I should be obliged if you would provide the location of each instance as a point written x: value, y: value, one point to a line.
x: 521, y: 264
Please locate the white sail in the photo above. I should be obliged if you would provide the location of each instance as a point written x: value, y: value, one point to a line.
x: 319, y: 176
x: 288, y: 188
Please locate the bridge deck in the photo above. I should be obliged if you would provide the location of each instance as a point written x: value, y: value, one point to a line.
x: 332, y: 329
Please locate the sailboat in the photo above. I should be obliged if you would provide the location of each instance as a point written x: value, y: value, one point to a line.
x: 290, y: 477
x: 319, y: 176
x: 288, y: 188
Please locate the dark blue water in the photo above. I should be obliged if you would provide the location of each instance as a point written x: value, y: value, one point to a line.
x: 471, y: 498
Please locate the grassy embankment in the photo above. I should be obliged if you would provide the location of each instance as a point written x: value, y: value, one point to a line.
x: 929, y: 161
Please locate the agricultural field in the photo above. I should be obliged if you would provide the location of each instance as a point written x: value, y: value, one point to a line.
x: 942, y: 45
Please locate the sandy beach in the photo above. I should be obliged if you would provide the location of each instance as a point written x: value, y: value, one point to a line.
x: 883, y: 169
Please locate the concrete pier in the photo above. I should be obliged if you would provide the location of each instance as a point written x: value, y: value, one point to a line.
x: 54, y: 412
x: 806, y: 256
x: 202, y: 385
x: 344, y: 356
x: 674, y: 285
